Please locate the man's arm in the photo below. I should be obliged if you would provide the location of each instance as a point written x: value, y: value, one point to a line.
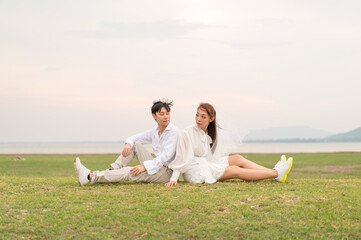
x: 143, y: 138
x: 127, y: 150
x: 135, y: 171
x: 168, y: 152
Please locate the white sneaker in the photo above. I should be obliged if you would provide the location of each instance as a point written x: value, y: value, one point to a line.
x: 81, y: 171
x: 283, y: 170
x: 281, y: 162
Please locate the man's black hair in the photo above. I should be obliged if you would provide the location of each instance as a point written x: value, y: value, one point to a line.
x: 159, y: 104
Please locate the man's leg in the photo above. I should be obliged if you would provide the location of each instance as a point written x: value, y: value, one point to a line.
x: 122, y: 161
x: 123, y: 174
x: 116, y: 175
x: 142, y: 153
x: 139, y: 150
x: 162, y: 176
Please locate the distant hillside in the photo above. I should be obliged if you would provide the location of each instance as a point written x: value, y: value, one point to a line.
x: 294, y: 133
x: 352, y: 136
x: 301, y: 134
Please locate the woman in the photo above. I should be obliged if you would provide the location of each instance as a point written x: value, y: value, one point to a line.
x: 202, y: 158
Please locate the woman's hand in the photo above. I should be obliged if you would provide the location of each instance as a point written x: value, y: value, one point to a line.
x: 171, y: 183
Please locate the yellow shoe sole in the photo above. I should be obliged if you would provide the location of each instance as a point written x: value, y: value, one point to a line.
x: 288, y: 170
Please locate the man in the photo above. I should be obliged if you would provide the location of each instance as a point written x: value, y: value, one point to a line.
x: 164, y: 141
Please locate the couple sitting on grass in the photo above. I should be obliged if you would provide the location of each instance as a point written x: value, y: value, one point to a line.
x: 198, y: 153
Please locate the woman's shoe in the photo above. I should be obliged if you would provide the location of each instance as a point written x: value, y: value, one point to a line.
x: 283, y: 170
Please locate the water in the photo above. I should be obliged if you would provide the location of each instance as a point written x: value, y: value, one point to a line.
x: 61, y: 148
x: 116, y: 148
x: 298, y: 147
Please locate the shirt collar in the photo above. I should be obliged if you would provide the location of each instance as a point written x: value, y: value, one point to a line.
x: 205, y: 136
x: 169, y: 127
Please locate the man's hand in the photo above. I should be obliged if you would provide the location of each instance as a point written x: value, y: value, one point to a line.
x: 135, y: 171
x: 127, y: 150
x: 171, y: 183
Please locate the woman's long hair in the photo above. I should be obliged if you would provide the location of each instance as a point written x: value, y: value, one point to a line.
x: 212, y: 127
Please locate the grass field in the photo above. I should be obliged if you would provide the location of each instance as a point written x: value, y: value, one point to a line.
x: 41, y: 199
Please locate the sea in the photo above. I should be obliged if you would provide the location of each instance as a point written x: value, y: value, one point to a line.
x: 116, y: 148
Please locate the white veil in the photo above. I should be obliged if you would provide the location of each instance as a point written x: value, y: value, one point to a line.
x: 229, y: 136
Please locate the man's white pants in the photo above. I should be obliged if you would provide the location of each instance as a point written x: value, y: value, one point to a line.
x: 122, y: 173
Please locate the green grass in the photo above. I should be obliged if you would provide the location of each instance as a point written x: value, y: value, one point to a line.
x: 41, y: 199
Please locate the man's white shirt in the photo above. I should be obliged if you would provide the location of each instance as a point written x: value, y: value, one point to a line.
x: 163, y: 147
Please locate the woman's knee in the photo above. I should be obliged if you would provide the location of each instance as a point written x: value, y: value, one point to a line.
x: 236, y: 160
x: 232, y: 171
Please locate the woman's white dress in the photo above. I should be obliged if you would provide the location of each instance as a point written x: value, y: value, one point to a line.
x: 198, y: 162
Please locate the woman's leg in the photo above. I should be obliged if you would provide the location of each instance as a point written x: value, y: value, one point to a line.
x: 248, y: 174
x: 239, y: 161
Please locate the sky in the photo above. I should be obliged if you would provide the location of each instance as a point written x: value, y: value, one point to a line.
x: 90, y: 70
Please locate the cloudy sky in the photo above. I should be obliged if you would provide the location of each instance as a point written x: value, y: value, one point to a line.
x: 89, y: 70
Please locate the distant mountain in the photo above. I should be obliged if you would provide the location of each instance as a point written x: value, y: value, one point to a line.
x: 286, y: 133
x: 351, y: 136
x: 301, y: 134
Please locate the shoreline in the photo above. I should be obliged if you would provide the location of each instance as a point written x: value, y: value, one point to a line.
x: 247, y: 148
x: 111, y: 154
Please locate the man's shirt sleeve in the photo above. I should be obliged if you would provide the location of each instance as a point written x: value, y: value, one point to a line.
x: 168, y: 152
x: 143, y: 138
